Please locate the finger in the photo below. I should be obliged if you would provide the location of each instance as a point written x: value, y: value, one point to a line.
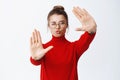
x: 80, y: 11
x: 31, y: 41
x: 39, y: 38
x: 76, y: 13
x: 35, y: 36
x: 85, y: 11
x: 48, y: 49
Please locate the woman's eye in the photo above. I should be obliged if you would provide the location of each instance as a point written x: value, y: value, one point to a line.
x: 62, y: 23
x: 53, y: 24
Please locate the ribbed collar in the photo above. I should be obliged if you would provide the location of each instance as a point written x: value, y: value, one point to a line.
x: 58, y: 39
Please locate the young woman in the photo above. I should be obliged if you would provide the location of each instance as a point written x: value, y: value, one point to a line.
x: 59, y: 57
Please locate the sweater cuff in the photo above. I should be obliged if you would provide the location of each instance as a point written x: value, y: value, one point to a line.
x: 91, y: 34
x: 35, y: 62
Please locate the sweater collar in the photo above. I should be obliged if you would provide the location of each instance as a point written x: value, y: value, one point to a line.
x: 58, y: 39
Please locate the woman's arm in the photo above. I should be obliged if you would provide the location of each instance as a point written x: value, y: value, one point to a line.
x: 89, y: 26
x: 36, y: 48
x: 83, y: 43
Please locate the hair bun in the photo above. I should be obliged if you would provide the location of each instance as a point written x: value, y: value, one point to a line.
x: 58, y: 7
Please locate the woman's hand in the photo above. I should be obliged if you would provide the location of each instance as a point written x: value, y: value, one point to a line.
x: 87, y: 21
x: 36, y: 48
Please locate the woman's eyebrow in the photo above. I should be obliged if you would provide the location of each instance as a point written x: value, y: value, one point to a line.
x: 62, y: 21
x: 52, y: 22
x: 55, y: 21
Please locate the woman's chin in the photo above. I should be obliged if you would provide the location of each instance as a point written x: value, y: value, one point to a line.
x: 58, y: 35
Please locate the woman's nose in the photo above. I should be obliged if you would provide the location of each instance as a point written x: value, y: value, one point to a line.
x: 57, y: 26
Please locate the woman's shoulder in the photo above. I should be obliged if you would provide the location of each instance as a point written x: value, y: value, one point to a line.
x: 46, y: 44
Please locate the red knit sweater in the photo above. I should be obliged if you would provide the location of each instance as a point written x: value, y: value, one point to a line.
x: 60, y: 63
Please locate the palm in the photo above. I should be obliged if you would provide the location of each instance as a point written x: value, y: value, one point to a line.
x: 88, y: 23
x: 36, y: 48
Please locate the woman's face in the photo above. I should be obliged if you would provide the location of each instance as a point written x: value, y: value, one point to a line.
x: 57, y: 24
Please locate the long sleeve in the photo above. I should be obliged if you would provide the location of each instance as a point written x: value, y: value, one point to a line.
x: 36, y: 62
x: 83, y: 43
x: 60, y: 63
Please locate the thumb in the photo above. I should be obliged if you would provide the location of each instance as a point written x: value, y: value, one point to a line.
x: 80, y: 29
x: 48, y: 49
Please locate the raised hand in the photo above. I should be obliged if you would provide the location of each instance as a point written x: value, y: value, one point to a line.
x: 36, y: 48
x: 87, y: 21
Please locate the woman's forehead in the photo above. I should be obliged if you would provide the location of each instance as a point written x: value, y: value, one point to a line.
x: 57, y: 18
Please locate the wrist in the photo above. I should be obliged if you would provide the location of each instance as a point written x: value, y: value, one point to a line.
x: 92, y: 30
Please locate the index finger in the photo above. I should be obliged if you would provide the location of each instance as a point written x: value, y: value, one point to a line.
x: 75, y: 11
x: 39, y: 38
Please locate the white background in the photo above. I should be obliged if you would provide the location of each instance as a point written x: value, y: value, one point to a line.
x: 18, y: 18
